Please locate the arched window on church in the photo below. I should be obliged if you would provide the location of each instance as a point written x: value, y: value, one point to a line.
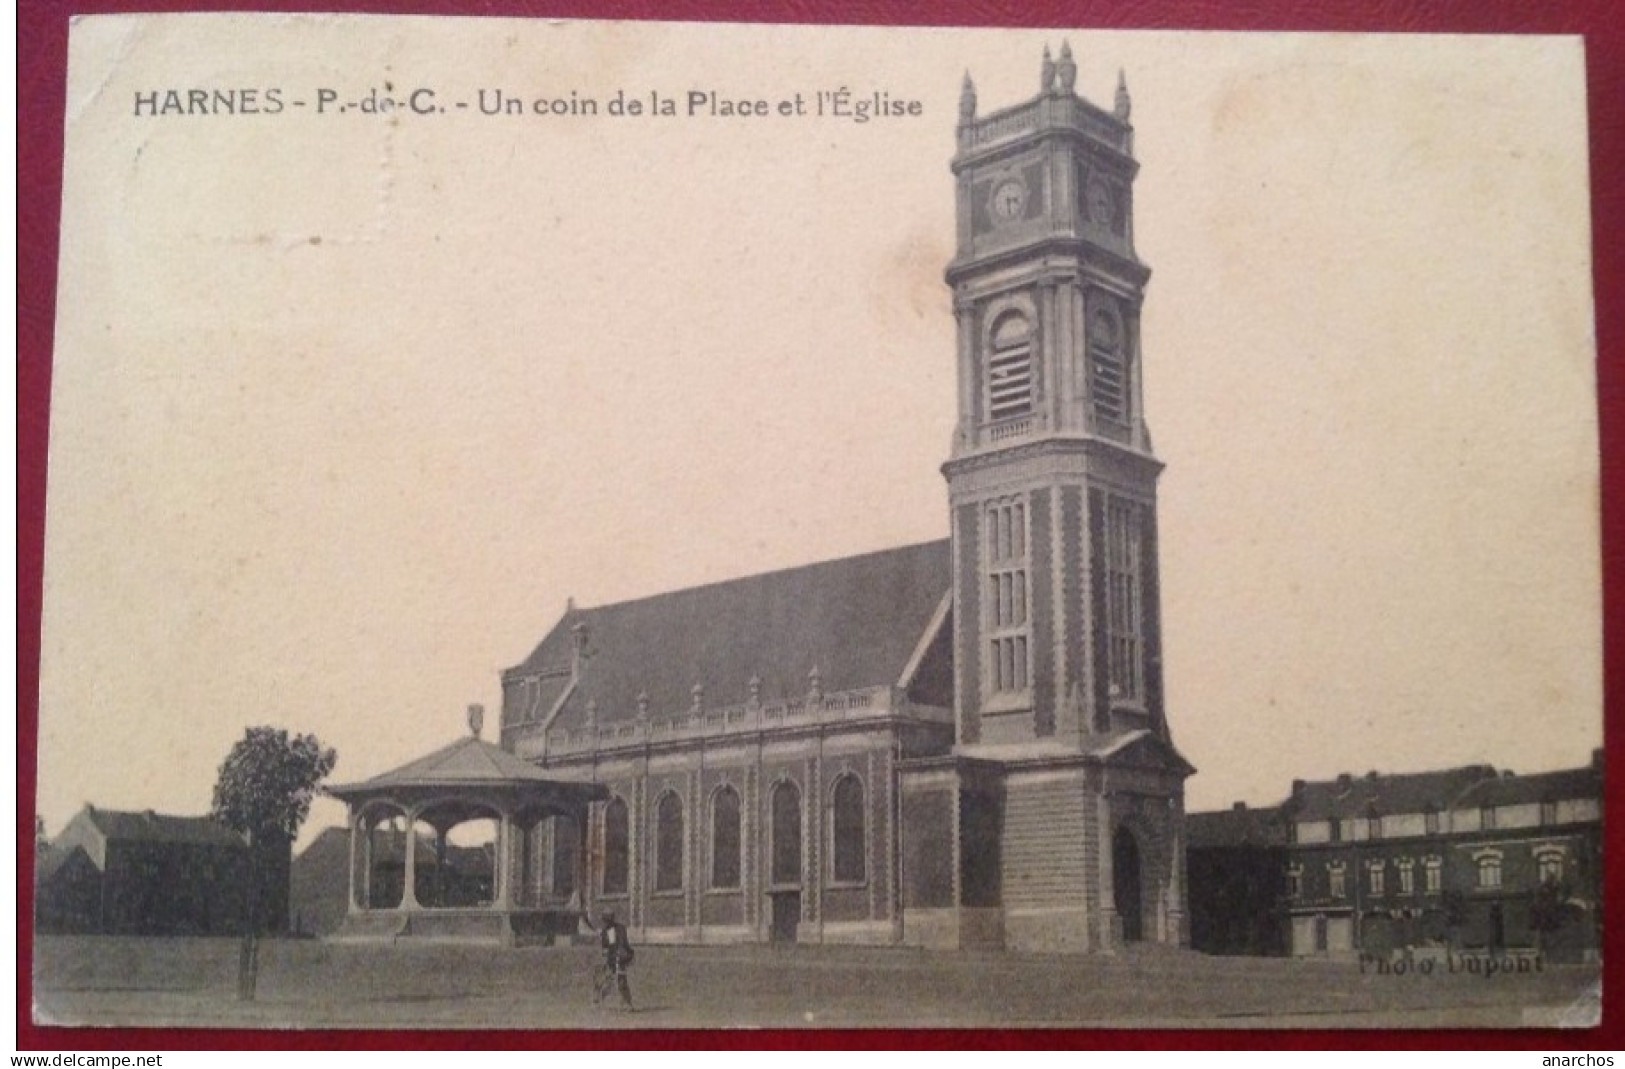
x: 669, y: 843
x: 848, y: 831
x: 1108, y: 373
x: 725, y: 839
x: 616, y: 842
x: 786, y: 847
x: 1010, y: 368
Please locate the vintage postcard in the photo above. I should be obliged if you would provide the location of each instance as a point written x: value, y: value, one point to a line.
x: 604, y: 525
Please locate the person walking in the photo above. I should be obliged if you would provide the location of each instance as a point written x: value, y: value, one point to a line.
x: 618, y: 955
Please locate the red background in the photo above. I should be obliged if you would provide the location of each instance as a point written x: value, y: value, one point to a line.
x: 42, y: 31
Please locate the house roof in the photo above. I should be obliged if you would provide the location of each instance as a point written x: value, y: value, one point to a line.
x: 329, y: 843
x: 49, y: 858
x: 1236, y: 827
x: 858, y: 620
x: 153, y: 827
x: 1538, y: 787
x: 470, y: 761
x: 1376, y: 795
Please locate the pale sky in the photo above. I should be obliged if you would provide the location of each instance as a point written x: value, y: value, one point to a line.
x: 346, y: 406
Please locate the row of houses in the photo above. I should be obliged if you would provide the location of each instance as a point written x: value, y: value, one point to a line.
x: 144, y: 873
x: 1464, y: 858
x: 116, y: 872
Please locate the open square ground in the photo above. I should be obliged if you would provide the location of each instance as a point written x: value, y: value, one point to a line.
x: 307, y: 984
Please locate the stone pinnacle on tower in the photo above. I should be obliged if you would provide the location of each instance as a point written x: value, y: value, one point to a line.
x: 967, y: 99
x: 1046, y: 75
x: 1067, y: 70
x: 1123, y: 107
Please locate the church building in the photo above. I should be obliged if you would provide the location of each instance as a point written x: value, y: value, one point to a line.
x: 961, y: 743
x: 956, y: 744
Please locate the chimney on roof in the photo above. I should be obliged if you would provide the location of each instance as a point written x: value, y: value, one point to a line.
x: 1238, y: 807
x: 149, y: 814
x: 1371, y: 775
x: 1507, y: 773
x: 578, y: 649
x: 1345, y: 780
x: 476, y: 719
x: 1297, y: 787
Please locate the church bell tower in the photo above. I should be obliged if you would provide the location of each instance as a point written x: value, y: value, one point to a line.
x: 1057, y: 821
x: 1052, y: 481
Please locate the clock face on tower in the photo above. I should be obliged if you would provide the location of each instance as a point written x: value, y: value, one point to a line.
x: 1009, y: 200
x: 1100, y: 203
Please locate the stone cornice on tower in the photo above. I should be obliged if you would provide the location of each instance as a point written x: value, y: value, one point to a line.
x: 1056, y: 109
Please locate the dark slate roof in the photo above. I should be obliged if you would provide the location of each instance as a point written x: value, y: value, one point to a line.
x: 1376, y: 795
x: 331, y: 846
x: 858, y: 620
x: 1538, y: 787
x: 469, y: 761
x: 161, y: 828
x: 1235, y: 827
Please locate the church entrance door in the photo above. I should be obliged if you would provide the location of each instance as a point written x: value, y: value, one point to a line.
x: 786, y: 915
x: 1126, y: 883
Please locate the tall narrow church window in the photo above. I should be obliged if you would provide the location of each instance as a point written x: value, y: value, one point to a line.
x: 786, y: 835
x: 616, y: 843
x: 1010, y: 368
x: 1009, y: 630
x: 725, y: 839
x: 669, y: 843
x: 1125, y: 620
x: 848, y: 823
x: 1108, y: 374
